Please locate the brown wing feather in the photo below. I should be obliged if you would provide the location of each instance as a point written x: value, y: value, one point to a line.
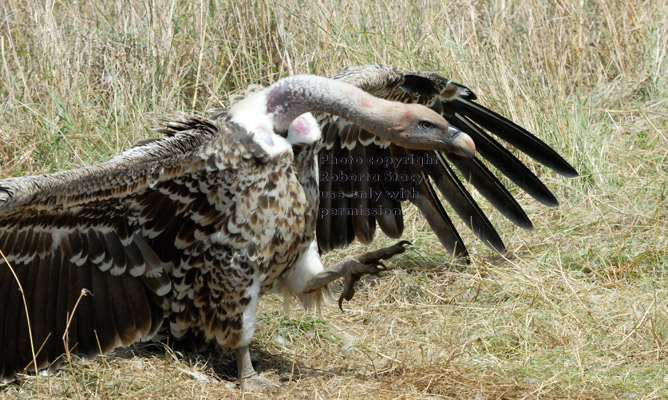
x: 40, y: 302
x: 427, y: 202
x: 105, y: 326
x: 6, y: 280
x: 12, y: 323
x: 87, y: 344
x: 23, y: 336
x: 364, y: 226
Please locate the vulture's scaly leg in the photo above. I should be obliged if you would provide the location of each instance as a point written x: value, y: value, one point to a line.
x: 249, y: 380
x: 353, y: 269
x: 244, y: 365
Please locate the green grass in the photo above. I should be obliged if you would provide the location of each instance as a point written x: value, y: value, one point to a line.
x: 577, y: 308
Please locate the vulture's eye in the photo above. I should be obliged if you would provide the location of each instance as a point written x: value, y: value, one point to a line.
x: 424, y: 125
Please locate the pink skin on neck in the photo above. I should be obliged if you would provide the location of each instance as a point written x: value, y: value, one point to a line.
x: 300, y: 127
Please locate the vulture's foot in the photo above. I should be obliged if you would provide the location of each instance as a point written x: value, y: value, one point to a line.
x: 249, y: 380
x: 353, y: 269
x: 257, y: 383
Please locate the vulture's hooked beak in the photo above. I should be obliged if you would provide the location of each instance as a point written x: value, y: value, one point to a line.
x: 462, y: 143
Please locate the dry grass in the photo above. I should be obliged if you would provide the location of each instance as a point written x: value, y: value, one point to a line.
x: 578, y: 308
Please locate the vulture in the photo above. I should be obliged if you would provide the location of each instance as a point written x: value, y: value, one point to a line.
x: 188, y: 231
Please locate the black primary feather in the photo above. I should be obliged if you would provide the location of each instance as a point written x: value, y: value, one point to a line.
x: 457, y: 104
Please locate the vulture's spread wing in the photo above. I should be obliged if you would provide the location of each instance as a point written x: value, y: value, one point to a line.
x: 121, y: 230
x: 364, y: 180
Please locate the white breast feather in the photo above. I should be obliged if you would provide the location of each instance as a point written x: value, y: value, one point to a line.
x: 251, y: 113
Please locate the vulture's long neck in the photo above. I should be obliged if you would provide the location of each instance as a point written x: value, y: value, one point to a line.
x: 295, y: 95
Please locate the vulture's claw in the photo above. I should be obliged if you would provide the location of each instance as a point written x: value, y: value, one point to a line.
x: 354, y: 272
x: 353, y: 269
x: 367, y: 264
